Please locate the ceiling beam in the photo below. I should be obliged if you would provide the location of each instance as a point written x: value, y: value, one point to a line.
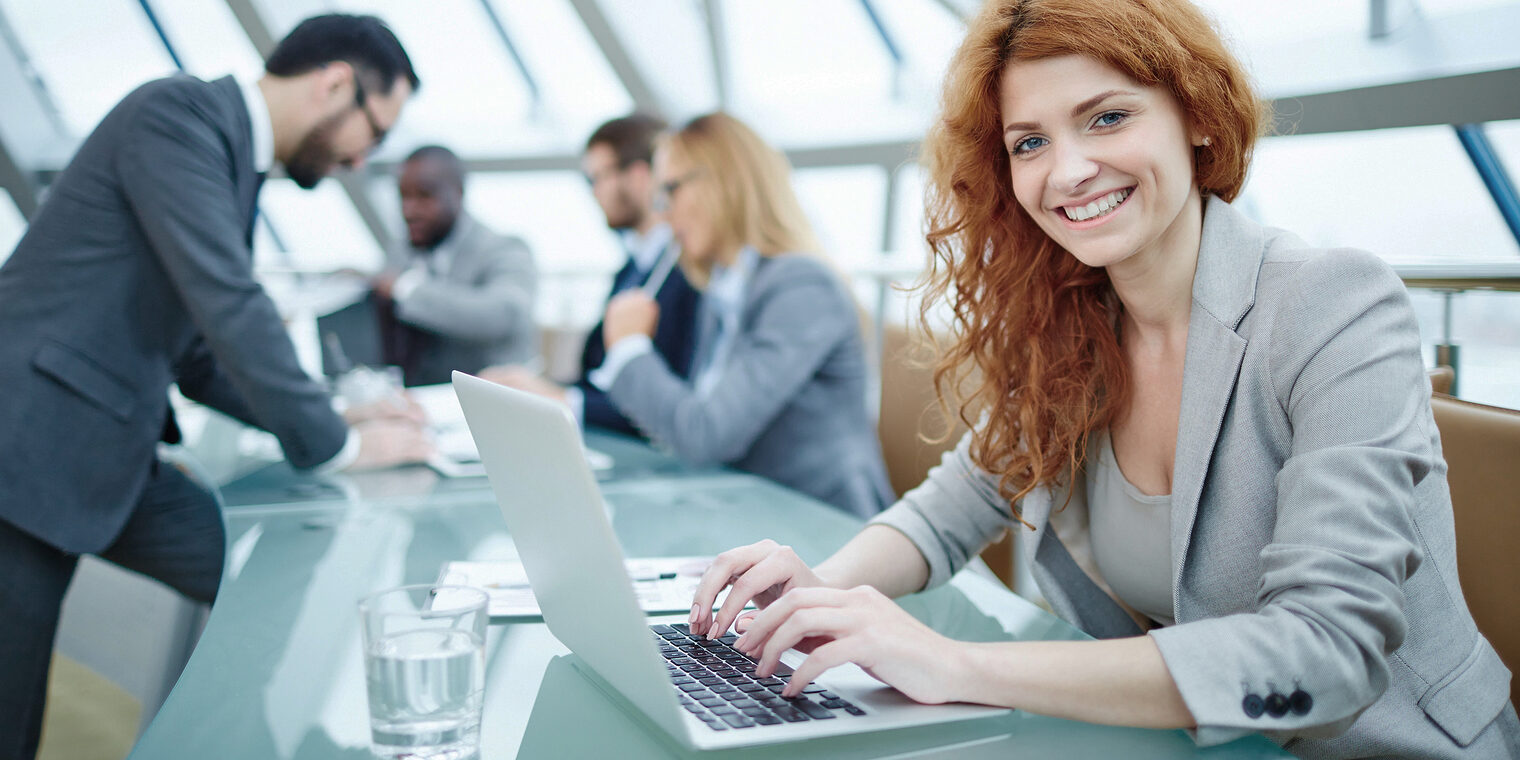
x: 1460, y: 99
x: 18, y: 183
x: 712, y: 13
x: 644, y: 98
x: 888, y: 155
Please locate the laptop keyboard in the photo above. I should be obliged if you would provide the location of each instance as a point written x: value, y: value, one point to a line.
x: 717, y: 684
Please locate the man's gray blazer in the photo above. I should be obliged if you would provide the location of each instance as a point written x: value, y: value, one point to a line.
x: 136, y: 273
x: 1311, y: 526
x: 790, y: 402
x: 479, y: 312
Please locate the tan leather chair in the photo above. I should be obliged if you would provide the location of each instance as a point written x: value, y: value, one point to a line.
x: 1441, y: 378
x: 1482, y: 448
x: 909, y: 415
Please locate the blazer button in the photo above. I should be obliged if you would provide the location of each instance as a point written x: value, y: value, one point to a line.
x: 1253, y: 706
x: 1300, y: 702
x: 1277, y: 705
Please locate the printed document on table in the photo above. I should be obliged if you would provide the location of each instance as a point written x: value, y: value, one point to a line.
x: 663, y: 584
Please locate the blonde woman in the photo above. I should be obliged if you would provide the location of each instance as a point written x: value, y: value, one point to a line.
x: 778, y: 377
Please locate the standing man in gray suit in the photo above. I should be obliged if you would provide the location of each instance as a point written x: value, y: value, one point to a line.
x: 137, y: 274
x: 458, y: 295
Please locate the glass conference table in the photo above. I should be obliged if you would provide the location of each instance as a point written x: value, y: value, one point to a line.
x: 278, y: 672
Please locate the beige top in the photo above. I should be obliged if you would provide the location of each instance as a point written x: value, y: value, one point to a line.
x: 1130, y: 533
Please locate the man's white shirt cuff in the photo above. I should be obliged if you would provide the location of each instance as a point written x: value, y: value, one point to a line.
x: 622, y: 352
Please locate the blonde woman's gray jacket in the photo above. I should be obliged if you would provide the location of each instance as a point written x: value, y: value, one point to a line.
x: 790, y: 402
x: 1312, y: 549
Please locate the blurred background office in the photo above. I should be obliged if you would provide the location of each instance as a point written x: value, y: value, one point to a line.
x: 1403, y: 115
x: 1399, y: 122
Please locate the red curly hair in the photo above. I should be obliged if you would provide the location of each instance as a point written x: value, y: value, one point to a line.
x: 1034, y: 329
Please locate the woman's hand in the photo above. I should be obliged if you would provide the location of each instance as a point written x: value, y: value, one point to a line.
x: 631, y: 312
x: 760, y: 572
x: 858, y: 625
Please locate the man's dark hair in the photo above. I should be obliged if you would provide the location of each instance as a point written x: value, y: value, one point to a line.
x: 445, y: 158
x: 364, y: 42
x: 630, y: 137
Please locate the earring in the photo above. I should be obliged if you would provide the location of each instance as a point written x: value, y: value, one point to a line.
x: 1207, y: 141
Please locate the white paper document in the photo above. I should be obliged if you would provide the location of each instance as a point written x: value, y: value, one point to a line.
x: 663, y: 584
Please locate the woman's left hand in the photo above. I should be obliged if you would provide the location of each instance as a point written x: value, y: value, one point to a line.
x: 631, y: 312
x: 859, y: 625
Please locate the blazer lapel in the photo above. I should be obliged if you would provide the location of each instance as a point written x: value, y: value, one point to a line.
x: 1224, y: 289
x: 249, y: 181
x: 1071, y: 592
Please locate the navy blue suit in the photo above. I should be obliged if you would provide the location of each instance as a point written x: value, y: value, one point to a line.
x: 674, y: 339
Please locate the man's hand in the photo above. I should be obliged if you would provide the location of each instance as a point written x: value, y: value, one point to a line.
x: 388, y: 443
x: 631, y: 312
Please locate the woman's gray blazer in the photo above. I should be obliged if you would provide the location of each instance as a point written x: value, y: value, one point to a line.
x: 790, y: 403
x: 1311, y: 526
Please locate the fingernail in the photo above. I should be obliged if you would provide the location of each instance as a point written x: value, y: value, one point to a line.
x: 692, y: 618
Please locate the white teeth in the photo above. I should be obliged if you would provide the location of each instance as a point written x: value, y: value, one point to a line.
x: 1097, y: 208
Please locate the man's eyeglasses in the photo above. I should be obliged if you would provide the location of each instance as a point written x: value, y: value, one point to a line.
x: 361, y: 101
x: 668, y: 189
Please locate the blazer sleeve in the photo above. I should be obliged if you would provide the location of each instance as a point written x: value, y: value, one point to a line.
x: 1345, y: 367
x: 795, y: 322
x: 495, y: 305
x: 199, y: 378
x: 178, y: 178
x: 953, y: 515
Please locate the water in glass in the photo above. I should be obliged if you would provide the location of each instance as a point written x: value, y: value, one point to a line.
x: 425, y: 690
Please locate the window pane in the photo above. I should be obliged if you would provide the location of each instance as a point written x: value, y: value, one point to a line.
x: 927, y: 34
x: 555, y: 213
x: 1404, y: 194
x: 320, y: 228
x: 846, y: 206
x: 908, y: 223
x: 1505, y: 137
x: 578, y: 86
x: 777, y: 48
x: 12, y: 226
x: 673, y: 53
x: 471, y: 97
x: 208, y: 39
x: 89, y: 61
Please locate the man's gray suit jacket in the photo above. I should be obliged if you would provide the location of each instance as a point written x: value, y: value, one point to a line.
x: 790, y: 404
x: 1311, y: 527
x: 136, y: 273
x: 480, y: 311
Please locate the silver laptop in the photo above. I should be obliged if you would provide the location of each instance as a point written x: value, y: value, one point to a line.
x: 701, y: 692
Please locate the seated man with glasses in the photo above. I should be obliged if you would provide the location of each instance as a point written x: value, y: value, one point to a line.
x: 617, y: 164
x: 456, y: 294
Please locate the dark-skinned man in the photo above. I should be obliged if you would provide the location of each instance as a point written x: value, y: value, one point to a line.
x: 458, y: 295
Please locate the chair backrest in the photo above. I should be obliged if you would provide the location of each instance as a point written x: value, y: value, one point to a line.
x: 1482, y: 448
x: 909, y: 415
x: 909, y: 411
x: 1441, y: 378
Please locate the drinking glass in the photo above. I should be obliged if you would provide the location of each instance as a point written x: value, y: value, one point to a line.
x: 424, y: 663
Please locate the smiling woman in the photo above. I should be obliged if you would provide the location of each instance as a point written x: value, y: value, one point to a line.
x: 1218, y: 438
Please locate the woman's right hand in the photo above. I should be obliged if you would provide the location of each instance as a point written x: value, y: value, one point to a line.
x: 760, y: 572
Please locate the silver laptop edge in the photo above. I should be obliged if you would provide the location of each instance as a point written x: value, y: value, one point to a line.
x: 531, y: 449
